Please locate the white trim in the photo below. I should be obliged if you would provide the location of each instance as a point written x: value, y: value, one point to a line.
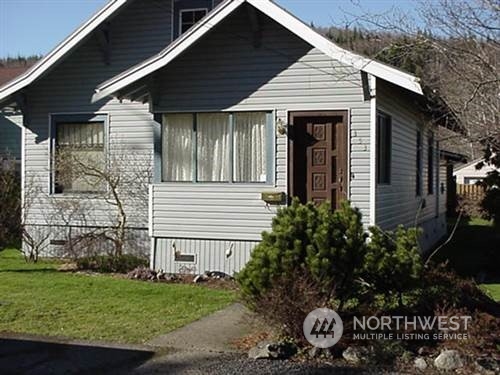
x: 51, y: 146
x: 23, y: 171
x: 179, y: 29
x: 348, y: 151
x: 61, y: 50
x: 172, y: 10
x: 294, y: 25
x: 305, y: 32
x: 158, y: 61
x: 150, y: 210
x: 373, y: 149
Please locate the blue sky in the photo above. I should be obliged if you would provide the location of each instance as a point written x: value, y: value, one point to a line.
x: 36, y: 26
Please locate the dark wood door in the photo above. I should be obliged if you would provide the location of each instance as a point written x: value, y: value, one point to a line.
x: 318, y: 157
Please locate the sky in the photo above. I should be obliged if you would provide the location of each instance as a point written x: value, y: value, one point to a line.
x: 29, y: 27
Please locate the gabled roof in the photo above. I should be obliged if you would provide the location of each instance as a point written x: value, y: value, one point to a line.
x: 275, y: 12
x: 67, y: 45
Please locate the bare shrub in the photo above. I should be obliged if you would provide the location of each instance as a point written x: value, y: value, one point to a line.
x: 286, y: 304
x: 10, y: 203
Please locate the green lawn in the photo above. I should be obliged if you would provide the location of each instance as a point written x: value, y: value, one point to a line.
x: 493, y: 290
x: 474, y: 251
x: 38, y: 299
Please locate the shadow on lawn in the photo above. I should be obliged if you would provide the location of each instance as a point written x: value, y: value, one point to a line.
x: 34, y: 270
x: 474, y: 251
x: 19, y: 356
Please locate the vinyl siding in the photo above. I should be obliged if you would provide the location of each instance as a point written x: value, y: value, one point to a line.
x: 10, y: 135
x: 209, y: 255
x: 397, y: 202
x: 285, y: 74
x: 137, y: 32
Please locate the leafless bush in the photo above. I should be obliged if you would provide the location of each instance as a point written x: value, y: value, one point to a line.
x: 10, y: 203
x: 121, y: 185
x: 287, y: 304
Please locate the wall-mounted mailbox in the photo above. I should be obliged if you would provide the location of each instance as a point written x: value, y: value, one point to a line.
x: 273, y: 197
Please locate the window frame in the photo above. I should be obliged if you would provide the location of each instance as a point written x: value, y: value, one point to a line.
x: 378, y: 151
x: 419, y: 178
x: 54, y: 119
x: 431, y: 149
x: 185, y: 10
x: 270, y: 149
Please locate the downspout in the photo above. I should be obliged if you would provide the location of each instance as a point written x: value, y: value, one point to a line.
x: 373, y: 150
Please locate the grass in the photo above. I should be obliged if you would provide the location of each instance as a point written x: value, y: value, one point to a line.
x: 39, y: 299
x: 493, y: 290
x: 474, y: 251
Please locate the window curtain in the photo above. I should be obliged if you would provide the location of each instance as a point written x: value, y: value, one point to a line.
x: 177, y: 147
x: 212, y: 147
x: 250, y: 154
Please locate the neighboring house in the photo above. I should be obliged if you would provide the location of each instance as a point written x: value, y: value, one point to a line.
x: 10, y: 120
x: 468, y: 174
x: 248, y: 107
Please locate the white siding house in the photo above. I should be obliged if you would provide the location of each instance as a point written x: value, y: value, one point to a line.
x: 245, y: 109
x: 468, y: 174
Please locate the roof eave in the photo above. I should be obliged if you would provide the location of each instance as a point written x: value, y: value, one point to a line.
x: 114, y: 85
x: 37, y: 70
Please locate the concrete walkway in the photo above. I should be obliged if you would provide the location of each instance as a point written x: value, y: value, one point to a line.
x: 213, y: 333
x: 200, y: 348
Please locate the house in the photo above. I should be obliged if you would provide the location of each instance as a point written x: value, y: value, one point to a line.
x: 10, y: 120
x: 235, y: 107
x: 468, y: 174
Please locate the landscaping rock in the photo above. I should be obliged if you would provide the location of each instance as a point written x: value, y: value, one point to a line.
x: 147, y: 274
x: 355, y: 355
x: 314, y: 352
x: 449, y: 360
x: 424, y: 350
x: 200, y: 278
x: 270, y: 350
x: 420, y: 364
x: 218, y: 275
x: 488, y: 366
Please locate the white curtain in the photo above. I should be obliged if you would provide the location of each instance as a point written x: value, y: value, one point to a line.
x: 250, y: 147
x: 212, y: 147
x: 177, y: 147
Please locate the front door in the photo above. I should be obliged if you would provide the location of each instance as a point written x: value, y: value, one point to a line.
x: 318, y: 156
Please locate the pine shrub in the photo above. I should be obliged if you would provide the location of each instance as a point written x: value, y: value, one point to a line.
x: 392, y: 263
x: 324, y: 245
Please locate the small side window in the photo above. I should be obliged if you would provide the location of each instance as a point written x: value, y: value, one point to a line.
x: 186, y: 13
x: 384, y: 148
x: 430, y: 165
x: 418, y: 177
x: 189, y: 17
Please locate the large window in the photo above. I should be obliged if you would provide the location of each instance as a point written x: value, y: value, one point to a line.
x: 430, y: 165
x: 79, y: 149
x: 217, y: 147
x: 384, y: 148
